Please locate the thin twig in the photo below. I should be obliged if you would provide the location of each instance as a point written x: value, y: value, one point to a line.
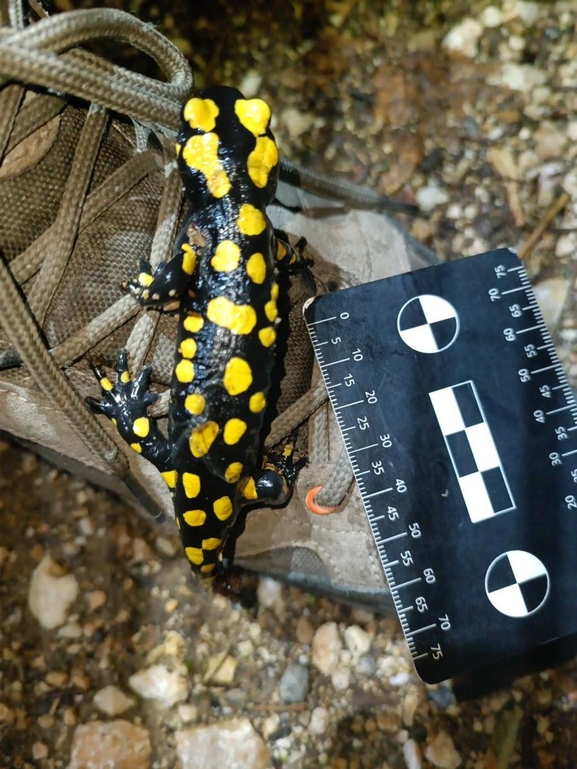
x: 535, y: 236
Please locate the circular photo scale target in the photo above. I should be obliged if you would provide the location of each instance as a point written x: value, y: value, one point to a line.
x: 517, y: 583
x: 428, y: 323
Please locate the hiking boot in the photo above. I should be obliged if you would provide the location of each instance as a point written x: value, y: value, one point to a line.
x: 88, y: 188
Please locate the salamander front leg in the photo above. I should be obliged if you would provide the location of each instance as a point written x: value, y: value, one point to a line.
x: 168, y: 282
x: 126, y: 404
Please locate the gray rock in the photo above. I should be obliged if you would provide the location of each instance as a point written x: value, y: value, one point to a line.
x: 294, y: 684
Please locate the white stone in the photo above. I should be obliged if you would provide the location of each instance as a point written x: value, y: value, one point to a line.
x: 550, y: 141
x: 431, y: 196
x: 118, y: 744
x: 341, y: 678
x: 572, y: 130
x: 441, y: 752
x: 518, y: 77
x: 399, y: 679
x: 112, y: 701
x: 326, y: 647
x: 50, y: 594
x: 412, y: 754
x: 159, y: 684
x: 566, y: 246
x: 570, y: 183
x: 491, y: 16
x: 269, y: 594
x: 463, y: 38
x: 357, y: 640
x: 187, y: 713
x: 230, y: 744
x: 296, y: 123
x: 319, y: 721
x: 250, y: 84
x: 528, y: 12
x: 551, y: 296
x: 220, y: 670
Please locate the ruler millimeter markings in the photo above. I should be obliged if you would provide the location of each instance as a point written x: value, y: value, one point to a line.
x: 462, y: 434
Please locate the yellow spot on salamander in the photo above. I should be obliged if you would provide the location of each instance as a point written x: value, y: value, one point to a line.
x: 201, y: 114
x: 188, y: 258
x: 106, y: 384
x: 254, y: 114
x: 136, y: 447
x: 267, y: 336
x: 234, y: 429
x: 193, y: 322
x: 262, y: 160
x: 170, y: 478
x: 114, y: 421
x: 141, y: 427
x: 249, y: 490
x: 222, y: 508
x: 238, y: 318
x: 208, y: 567
x: 233, y: 472
x: 201, y: 153
x: 194, y: 555
x: 202, y: 438
x: 270, y: 310
x: 184, y: 371
x: 145, y: 279
x: 195, y: 403
x: 187, y: 348
x: 256, y: 268
x: 194, y: 517
x: 211, y: 543
x: 274, y: 291
x: 237, y: 376
x: 177, y: 149
x: 257, y: 403
x: 125, y: 377
x: 226, y: 256
x: 251, y: 221
x: 191, y: 484
x: 281, y: 251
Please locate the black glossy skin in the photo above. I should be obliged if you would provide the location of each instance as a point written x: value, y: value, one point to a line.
x: 211, y: 463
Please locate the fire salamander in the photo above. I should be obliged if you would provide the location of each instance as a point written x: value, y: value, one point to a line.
x: 223, y: 275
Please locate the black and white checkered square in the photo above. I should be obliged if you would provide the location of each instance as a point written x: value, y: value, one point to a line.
x: 472, y: 450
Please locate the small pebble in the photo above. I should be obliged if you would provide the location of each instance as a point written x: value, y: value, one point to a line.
x: 304, y: 630
x: 440, y: 751
x: 39, y: 750
x: 51, y: 593
x: 319, y: 721
x: 463, y: 38
x: 357, y: 640
x: 269, y: 594
x: 341, y: 678
x: 165, y: 546
x: 294, y: 684
x: 412, y: 754
x: 491, y: 16
x: 430, y: 197
x: 326, y: 647
x: 400, y: 679
x: 221, y: 670
x: 112, y: 701
x: 187, y: 713
x: 159, y: 684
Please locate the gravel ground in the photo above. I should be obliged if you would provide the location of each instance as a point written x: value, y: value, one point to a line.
x: 110, y: 651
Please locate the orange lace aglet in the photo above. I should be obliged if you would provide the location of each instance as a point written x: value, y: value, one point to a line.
x: 313, y: 506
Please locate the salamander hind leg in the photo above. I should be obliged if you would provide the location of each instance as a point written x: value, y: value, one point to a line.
x: 126, y: 403
x: 274, y: 484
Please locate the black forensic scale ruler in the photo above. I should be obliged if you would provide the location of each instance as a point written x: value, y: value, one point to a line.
x: 462, y: 433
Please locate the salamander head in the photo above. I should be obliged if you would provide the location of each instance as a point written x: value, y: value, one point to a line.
x: 225, y: 146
